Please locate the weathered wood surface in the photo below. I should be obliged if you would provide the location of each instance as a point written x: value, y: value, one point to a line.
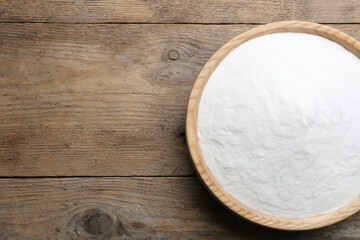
x: 131, y: 208
x: 168, y: 11
x: 96, y: 100
x: 109, y: 100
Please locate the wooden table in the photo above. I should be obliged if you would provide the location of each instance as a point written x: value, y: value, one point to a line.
x: 92, y: 107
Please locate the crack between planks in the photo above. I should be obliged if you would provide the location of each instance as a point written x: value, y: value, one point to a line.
x: 161, y: 23
x: 84, y: 176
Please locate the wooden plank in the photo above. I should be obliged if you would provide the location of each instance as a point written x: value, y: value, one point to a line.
x: 167, y: 11
x: 96, y: 100
x: 131, y: 208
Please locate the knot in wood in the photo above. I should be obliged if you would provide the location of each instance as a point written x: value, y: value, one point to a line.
x: 97, y: 223
x: 173, y: 55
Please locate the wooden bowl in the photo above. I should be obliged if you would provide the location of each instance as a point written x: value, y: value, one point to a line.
x: 191, y: 127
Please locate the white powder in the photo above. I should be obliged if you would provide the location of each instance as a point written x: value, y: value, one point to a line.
x: 279, y: 125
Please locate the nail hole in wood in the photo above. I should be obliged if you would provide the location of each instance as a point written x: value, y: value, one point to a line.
x: 173, y: 55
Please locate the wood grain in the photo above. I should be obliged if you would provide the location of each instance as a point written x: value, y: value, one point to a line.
x: 131, y: 208
x: 110, y: 100
x: 167, y: 11
x: 96, y: 100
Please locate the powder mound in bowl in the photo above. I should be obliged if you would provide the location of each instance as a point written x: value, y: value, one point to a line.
x: 279, y: 125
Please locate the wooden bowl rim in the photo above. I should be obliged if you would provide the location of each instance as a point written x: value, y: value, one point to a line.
x: 191, y: 128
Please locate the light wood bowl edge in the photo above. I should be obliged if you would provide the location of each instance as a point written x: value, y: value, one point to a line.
x: 191, y: 128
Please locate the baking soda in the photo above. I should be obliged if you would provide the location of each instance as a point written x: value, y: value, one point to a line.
x: 279, y: 125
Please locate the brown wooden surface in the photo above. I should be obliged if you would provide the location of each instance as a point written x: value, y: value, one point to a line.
x: 131, y: 208
x: 101, y: 100
x: 110, y: 100
x: 186, y: 11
